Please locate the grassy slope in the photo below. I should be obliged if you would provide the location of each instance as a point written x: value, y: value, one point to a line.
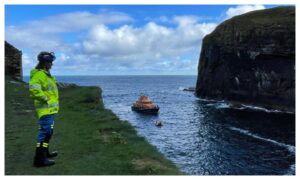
x: 90, y: 139
x: 283, y: 16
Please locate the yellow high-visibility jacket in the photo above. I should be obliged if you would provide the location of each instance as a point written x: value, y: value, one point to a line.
x: 43, y: 90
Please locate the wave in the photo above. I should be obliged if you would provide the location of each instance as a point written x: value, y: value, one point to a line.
x: 207, y: 100
x: 257, y: 108
x: 216, y: 104
x: 291, y: 170
x: 219, y: 105
x: 228, y: 105
x: 181, y: 88
x: 290, y: 148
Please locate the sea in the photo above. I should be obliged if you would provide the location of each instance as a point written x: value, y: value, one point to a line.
x: 201, y: 136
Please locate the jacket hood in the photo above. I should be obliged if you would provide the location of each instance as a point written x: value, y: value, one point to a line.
x: 34, y: 71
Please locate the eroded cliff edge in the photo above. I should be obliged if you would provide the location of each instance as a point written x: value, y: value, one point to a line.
x: 251, y: 59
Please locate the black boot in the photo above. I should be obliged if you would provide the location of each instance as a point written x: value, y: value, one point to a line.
x: 51, y: 154
x: 41, y: 159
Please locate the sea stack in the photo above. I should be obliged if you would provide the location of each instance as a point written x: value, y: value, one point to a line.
x: 250, y: 59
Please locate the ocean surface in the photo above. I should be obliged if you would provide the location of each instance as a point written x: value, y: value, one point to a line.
x: 201, y: 137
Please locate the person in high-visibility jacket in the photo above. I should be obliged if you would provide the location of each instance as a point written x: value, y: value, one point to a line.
x: 43, y: 89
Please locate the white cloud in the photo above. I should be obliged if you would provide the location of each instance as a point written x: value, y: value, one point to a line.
x: 31, y: 38
x: 44, y: 34
x: 163, y: 19
x: 152, y: 46
x: 183, y: 21
x: 76, y: 21
x: 241, y: 9
x: 152, y: 42
x: 64, y: 57
x: 107, y: 42
x: 27, y: 60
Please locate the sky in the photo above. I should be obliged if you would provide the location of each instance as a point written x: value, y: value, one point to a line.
x: 116, y: 39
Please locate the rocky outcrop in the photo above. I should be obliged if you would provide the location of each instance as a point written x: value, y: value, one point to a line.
x: 13, y: 62
x: 66, y: 85
x: 251, y: 59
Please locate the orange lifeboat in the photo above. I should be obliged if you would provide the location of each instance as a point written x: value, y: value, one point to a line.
x: 144, y: 105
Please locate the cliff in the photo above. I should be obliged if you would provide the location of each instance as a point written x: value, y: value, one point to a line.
x: 13, y: 61
x: 251, y: 59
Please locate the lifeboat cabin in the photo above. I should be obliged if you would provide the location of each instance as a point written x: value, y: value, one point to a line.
x: 144, y: 105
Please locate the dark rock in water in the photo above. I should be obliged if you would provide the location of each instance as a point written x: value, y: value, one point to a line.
x: 192, y: 89
x: 235, y: 105
x: 251, y: 59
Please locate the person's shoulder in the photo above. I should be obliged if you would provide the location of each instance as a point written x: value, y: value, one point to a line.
x: 37, y: 73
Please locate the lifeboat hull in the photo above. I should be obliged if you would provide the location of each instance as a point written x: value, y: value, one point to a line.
x: 145, y: 110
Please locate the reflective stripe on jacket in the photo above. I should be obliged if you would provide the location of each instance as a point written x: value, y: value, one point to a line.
x: 43, y: 90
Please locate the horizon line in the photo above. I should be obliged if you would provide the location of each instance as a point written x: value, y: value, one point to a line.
x: 126, y: 75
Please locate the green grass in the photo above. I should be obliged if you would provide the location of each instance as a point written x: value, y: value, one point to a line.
x: 277, y: 18
x: 91, y: 140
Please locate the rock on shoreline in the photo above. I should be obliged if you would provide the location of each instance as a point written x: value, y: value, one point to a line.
x: 66, y: 85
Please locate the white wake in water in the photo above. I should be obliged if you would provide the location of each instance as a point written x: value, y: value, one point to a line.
x: 263, y: 109
x: 243, y: 131
x: 227, y: 105
x: 290, y: 148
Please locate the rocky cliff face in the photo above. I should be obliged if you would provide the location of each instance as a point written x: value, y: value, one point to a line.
x: 13, y: 62
x: 251, y: 59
